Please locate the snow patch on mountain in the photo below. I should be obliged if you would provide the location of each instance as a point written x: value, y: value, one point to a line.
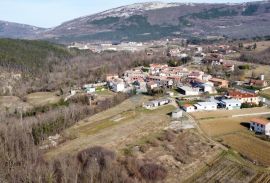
x: 138, y: 8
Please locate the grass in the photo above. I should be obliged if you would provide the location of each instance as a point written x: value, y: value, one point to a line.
x: 265, y: 93
x: 115, y: 127
x: 222, y: 126
x: 42, y: 98
x: 227, y: 113
x: 234, y: 133
x: 250, y: 147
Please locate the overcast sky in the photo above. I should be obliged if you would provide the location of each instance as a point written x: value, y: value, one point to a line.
x: 50, y: 13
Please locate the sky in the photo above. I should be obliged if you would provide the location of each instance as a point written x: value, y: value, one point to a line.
x: 50, y: 13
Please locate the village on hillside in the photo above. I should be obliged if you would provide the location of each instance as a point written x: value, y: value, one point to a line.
x: 193, y: 90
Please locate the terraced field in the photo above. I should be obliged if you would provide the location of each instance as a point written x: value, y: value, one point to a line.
x: 261, y: 178
x: 252, y: 148
x: 224, y: 171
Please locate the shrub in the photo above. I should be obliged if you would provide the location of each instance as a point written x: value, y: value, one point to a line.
x: 153, y: 172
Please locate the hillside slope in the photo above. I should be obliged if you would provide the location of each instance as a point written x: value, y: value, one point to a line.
x: 15, y: 30
x: 148, y: 21
x: 155, y: 20
x: 29, y: 55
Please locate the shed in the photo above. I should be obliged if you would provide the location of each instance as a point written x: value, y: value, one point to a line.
x: 178, y: 113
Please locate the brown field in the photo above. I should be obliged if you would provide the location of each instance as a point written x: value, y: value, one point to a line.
x: 115, y: 127
x: 261, y: 45
x: 42, y: 98
x: 265, y: 93
x: 257, y: 69
x: 222, y: 126
x: 223, y: 170
x: 252, y: 148
x: 227, y: 113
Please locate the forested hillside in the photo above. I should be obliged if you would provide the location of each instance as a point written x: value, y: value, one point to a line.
x: 30, y: 55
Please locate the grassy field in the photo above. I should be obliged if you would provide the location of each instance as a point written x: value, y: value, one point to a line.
x: 42, y: 98
x: 256, y: 69
x: 261, y: 45
x: 265, y: 93
x: 223, y: 170
x: 222, y: 126
x: 234, y: 133
x: 115, y: 127
x: 252, y: 148
x: 226, y: 113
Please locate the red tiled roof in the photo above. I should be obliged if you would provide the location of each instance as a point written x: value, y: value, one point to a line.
x: 238, y: 94
x: 261, y: 121
x: 187, y: 105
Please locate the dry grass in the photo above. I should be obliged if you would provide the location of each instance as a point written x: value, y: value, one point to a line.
x: 226, y: 113
x: 257, y: 69
x: 261, y: 45
x: 250, y: 147
x: 221, y: 126
x: 115, y: 127
x: 233, y: 132
x: 42, y: 98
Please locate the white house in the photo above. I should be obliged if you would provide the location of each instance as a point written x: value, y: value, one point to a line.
x: 186, y: 90
x: 156, y: 103
x: 260, y: 125
x: 117, y: 85
x: 208, y: 87
x: 188, y: 108
x: 230, y: 104
x: 178, y: 113
x: 206, y: 106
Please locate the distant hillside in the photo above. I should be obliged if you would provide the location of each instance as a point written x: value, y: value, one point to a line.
x: 155, y: 20
x: 149, y: 21
x: 15, y: 30
x: 29, y: 55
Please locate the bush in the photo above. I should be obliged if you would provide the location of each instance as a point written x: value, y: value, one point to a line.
x: 153, y: 172
x: 244, y: 67
x: 249, y: 105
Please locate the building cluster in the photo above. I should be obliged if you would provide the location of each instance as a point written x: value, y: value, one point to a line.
x: 233, y: 99
x: 156, y: 76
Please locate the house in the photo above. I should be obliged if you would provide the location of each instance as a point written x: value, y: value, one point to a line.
x: 208, y: 87
x: 260, y: 125
x: 178, y: 113
x: 258, y: 83
x: 156, y: 103
x: 188, y: 108
x: 189, y: 91
x: 230, y: 104
x: 206, y: 106
x: 244, y: 97
x: 151, y: 85
x: 196, y: 75
x: 89, y: 88
x: 220, y: 83
x: 228, y: 67
x: 117, y: 85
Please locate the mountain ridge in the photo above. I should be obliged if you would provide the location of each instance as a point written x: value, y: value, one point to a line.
x: 156, y: 20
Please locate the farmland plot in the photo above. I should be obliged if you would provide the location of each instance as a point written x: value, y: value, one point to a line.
x: 223, y: 171
x: 252, y: 148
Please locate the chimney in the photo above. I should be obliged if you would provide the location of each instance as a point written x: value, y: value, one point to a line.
x: 262, y: 77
